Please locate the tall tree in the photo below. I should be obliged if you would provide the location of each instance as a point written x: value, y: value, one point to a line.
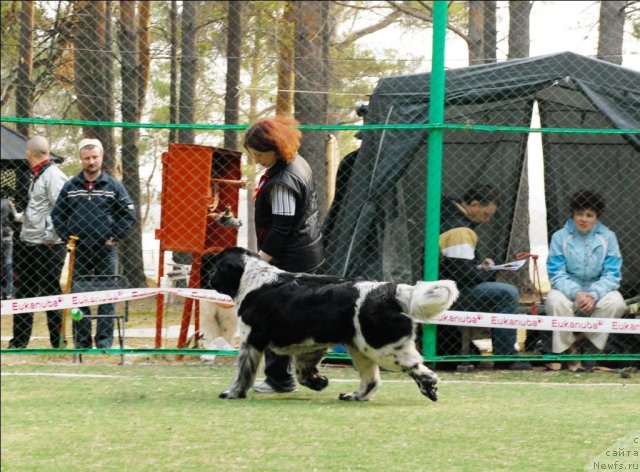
x: 519, y: 31
x: 107, y: 99
x: 234, y: 62
x: 144, y: 53
x: 474, y: 22
x: 311, y: 48
x: 131, y: 249
x: 250, y: 171
x: 476, y: 33
x: 489, y: 32
x: 51, y: 71
x: 91, y: 71
x: 611, y: 30
x: 286, y: 75
x: 173, y: 79
x: 188, y: 78
x: 24, y: 92
x: 188, y: 71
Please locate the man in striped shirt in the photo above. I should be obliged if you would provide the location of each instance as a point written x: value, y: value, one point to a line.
x: 458, y: 261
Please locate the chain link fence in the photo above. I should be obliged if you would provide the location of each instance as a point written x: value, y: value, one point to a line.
x: 166, y: 88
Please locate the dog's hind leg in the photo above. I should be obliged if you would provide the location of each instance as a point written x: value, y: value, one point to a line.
x: 307, y: 370
x: 248, y: 360
x: 369, y: 377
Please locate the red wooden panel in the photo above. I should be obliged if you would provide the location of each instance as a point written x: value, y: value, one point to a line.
x: 186, y: 194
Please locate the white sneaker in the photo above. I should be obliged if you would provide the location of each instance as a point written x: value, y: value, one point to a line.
x: 266, y: 387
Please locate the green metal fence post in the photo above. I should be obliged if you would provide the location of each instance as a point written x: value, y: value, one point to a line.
x: 434, y: 164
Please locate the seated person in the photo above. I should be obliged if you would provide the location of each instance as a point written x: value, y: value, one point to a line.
x: 478, y: 289
x: 584, y: 268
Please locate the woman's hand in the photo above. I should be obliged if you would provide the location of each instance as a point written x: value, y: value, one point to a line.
x: 585, y: 302
x: 264, y: 256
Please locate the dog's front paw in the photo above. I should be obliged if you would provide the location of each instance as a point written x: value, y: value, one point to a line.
x: 431, y: 392
x: 428, y: 387
x: 427, y: 384
x: 229, y: 395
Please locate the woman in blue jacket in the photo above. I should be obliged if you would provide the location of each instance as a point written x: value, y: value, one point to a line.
x: 584, y: 267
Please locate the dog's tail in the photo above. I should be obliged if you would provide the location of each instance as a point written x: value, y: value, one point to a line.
x: 424, y: 300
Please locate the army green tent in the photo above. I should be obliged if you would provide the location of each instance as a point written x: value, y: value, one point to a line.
x: 375, y: 227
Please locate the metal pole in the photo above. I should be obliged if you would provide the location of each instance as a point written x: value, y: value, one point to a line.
x: 434, y: 163
x: 159, y: 299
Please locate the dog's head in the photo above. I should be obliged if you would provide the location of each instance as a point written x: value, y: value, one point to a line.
x: 222, y: 272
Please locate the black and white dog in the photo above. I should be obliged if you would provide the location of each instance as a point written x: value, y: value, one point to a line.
x: 304, y: 315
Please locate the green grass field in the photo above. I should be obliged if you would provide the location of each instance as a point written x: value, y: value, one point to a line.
x: 65, y: 417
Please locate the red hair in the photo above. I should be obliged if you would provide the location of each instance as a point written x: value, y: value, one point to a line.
x: 277, y: 134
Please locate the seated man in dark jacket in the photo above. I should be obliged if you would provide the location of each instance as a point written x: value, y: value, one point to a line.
x: 96, y: 208
x: 459, y: 262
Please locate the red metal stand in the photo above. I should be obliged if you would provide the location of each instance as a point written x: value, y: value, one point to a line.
x: 199, y: 183
x: 191, y: 305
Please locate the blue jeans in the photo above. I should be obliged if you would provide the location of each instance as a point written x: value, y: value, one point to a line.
x: 95, y: 260
x: 493, y: 297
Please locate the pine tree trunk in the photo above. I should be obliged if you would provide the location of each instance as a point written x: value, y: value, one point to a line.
x: 234, y: 62
x: 286, y: 77
x: 489, y: 34
x: 611, y: 30
x: 476, y: 27
x: 188, y: 71
x: 188, y: 76
x: 173, y: 85
x: 312, y: 83
x: 144, y: 55
x: 92, y: 68
x: 107, y: 103
x: 251, y: 169
x: 519, y: 31
x: 24, y: 91
x: 131, y: 247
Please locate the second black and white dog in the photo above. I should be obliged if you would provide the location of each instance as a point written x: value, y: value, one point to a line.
x: 304, y: 315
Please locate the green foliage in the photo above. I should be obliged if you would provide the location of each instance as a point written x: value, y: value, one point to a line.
x: 160, y: 114
x: 9, y: 36
x: 212, y: 25
x: 161, y: 87
x: 633, y: 17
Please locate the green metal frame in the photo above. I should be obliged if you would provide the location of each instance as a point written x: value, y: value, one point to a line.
x: 434, y: 164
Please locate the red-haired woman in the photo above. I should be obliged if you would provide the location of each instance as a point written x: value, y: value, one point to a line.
x: 286, y: 217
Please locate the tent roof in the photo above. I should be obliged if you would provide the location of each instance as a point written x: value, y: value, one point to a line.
x: 14, y: 146
x: 613, y: 89
x: 519, y: 73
